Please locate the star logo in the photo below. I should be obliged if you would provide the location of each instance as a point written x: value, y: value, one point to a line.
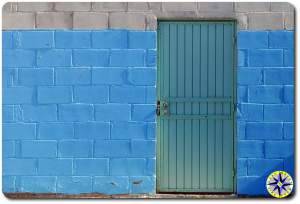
x: 279, y: 184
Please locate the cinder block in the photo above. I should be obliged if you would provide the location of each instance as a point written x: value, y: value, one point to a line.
x: 250, y: 40
x: 242, y: 21
x: 90, y: 20
x: 98, y: 58
x: 265, y: 94
x: 266, y: 58
x: 281, y: 39
x: 111, y: 184
x: 151, y: 94
x: 271, y: 149
x: 54, y: 94
x: 91, y: 167
x: 92, y: 130
x: 242, y: 60
x: 151, y: 22
x: 289, y: 131
x: 74, y: 184
x: 35, y: 6
x: 215, y: 6
x: 143, y: 112
x: 34, y: 76
x: 265, y: 131
x: 108, y: 76
x: 8, y: 183
x: 242, y: 167
x: 262, y: 167
x: 278, y: 76
x: 17, y: 166
x: 9, y: 77
x: 113, y: 112
x: 142, y: 40
x: 242, y: 94
x: 249, y: 76
x: 76, y: 76
x: 151, y: 58
x: 18, y: 95
x: 289, y: 165
x: 55, y: 131
x: 289, y: 58
x: 112, y: 148
x: 39, y: 113
x: 279, y: 113
x: 8, y: 148
x: 127, y: 58
x: 72, y: 6
x: 250, y: 149
x: 134, y: 21
x: 266, y: 21
x: 245, y: 186
x: 288, y: 94
x: 18, y: 58
x: 241, y: 130
x: 127, y: 167
x: 289, y: 21
x: 54, y: 57
x: 75, y: 112
x: 33, y: 39
x: 37, y: 184
x: 20, y: 20
x: 143, y: 148
x: 252, y: 6
x: 54, y: 167
x: 7, y: 39
x: 179, y: 6
x: 9, y: 7
x: 142, y: 184
x: 72, y: 39
x: 75, y: 148
x: 39, y: 149
x: 150, y: 169
x: 111, y: 39
x: 138, y: 6
x: 91, y: 94
x: 19, y: 131
x: 127, y: 94
x: 128, y: 130
x: 282, y: 7
x: 109, y: 6
x: 53, y: 20
x: 8, y: 113
x: 142, y: 76
x: 250, y: 112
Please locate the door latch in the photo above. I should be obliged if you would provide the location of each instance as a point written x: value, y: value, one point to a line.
x: 165, y: 108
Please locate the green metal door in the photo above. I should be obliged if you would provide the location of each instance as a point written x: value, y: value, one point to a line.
x: 196, y: 93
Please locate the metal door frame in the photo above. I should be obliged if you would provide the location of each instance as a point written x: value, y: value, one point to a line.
x: 234, y: 112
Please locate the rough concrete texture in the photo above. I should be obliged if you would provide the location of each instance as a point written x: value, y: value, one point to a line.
x: 144, y: 15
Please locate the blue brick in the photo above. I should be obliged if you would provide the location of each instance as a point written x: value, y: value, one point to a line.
x: 74, y: 184
x: 8, y: 184
x: 54, y: 167
x: 91, y: 167
x: 266, y: 58
x: 39, y: 113
x: 92, y: 130
x: 108, y: 76
x: 54, y: 94
x: 151, y: 130
x: 151, y: 58
x: 250, y: 40
x: 7, y: 39
x: 288, y: 94
x: 242, y: 58
x: 127, y: 167
x: 278, y: 76
x: 143, y: 148
x: 264, y: 131
x: 251, y: 148
x: 113, y: 112
x: 250, y: 112
x: 9, y: 77
x: 241, y: 130
x: 142, y: 76
x: 241, y: 167
x: 112, y: 39
x: 289, y: 131
x: 90, y: 58
x: 75, y: 148
x: 289, y: 58
x: 73, y: 76
x: 111, y: 185
x: 7, y: 113
x: 33, y: 39
x: 128, y: 130
x: 279, y: 113
x: 37, y: 184
x: 142, y: 39
x: 17, y: 166
x: 55, y: 131
x: 265, y: 94
x: 35, y: 77
x: 151, y: 94
x: 242, y: 94
x: 127, y: 94
x: 289, y: 165
x: 143, y: 112
x: 272, y: 149
x: 8, y: 148
x: 75, y: 112
x: 130, y: 58
x: 142, y: 184
x: 18, y: 95
x: 91, y: 94
x: 112, y: 148
x: 15, y: 131
x: 18, y: 58
x: 72, y: 39
x: 151, y: 167
x: 249, y: 76
x: 39, y: 149
x: 260, y: 167
x: 245, y: 186
x: 281, y: 39
x: 54, y: 57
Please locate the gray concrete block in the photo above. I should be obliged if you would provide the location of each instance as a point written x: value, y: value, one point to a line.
x: 9, y: 7
x: 109, y: 6
x: 289, y: 21
x: 18, y: 21
x: 252, y: 6
x: 179, y: 6
x: 151, y: 22
x: 127, y: 20
x: 282, y: 6
x: 216, y: 15
x: 138, y: 6
x: 72, y: 6
x: 35, y: 6
x: 242, y: 21
x: 215, y: 6
x: 54, y: 20
x: 176, y: 15
x: 155, y: 6
x: 265, y: 21
x: 90, y: 20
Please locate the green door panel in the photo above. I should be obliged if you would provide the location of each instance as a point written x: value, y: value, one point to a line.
x: 196, y: 129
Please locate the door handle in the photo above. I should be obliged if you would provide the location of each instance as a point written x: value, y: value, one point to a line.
x: 165, y: 108
x: 158, y: 108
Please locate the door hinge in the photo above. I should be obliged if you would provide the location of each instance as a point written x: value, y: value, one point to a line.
x: 234, y: 40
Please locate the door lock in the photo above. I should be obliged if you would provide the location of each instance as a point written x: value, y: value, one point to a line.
x: 165, y: 108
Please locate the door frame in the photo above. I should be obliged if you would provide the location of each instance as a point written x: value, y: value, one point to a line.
x: 234, y: 21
